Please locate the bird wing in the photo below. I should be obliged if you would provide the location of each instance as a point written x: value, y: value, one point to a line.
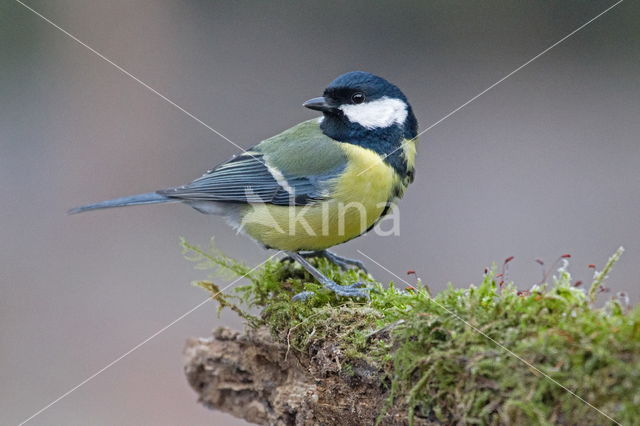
x: 296, y: 167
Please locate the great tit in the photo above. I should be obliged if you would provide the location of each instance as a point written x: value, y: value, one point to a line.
x: 318, y: 184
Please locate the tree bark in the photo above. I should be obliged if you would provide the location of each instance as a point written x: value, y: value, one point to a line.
x: 255, y: 378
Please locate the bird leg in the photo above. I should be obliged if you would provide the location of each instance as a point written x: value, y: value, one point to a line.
x: 352, y: 290
x: 342, y: 262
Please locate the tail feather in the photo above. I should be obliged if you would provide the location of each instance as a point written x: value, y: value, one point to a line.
x: 134, y: 200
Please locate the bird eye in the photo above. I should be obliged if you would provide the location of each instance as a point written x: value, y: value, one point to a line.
x: 357, y: 98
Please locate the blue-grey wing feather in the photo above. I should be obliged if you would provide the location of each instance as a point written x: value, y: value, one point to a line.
x: 248, y: 179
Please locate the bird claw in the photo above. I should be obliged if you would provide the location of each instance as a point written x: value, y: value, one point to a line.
x: 358, y: 289
x: 302, y: 296
x: 352, y: 290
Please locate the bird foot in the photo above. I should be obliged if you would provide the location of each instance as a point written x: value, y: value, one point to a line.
x: 358, y: 289
x: 352, y: 290
x: 343, y: 263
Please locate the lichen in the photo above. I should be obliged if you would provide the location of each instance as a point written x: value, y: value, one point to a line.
x: 486, y: 354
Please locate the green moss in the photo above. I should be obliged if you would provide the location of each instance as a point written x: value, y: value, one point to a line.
x: 477, y: 355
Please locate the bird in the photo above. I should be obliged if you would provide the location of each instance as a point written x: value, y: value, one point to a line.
x: 318, y: 184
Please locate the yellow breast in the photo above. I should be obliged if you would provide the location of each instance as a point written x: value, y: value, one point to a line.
x: 367, y: 179
x: 359, y: 196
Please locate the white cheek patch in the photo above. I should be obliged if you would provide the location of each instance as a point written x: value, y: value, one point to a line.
x: 382, y: 112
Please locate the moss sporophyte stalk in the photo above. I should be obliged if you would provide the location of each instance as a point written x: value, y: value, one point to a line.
x: 437, y: 356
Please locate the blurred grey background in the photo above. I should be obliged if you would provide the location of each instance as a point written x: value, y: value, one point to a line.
x: 546, y: 163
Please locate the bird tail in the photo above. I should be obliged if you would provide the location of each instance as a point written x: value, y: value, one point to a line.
x: 134, y: 200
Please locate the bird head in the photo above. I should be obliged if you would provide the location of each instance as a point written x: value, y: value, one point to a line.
x: 358, y: 106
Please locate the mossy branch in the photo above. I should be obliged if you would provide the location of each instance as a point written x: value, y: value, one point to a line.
x: 402, y: 357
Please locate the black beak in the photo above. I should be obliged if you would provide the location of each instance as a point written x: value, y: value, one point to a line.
x: 319, y: 104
